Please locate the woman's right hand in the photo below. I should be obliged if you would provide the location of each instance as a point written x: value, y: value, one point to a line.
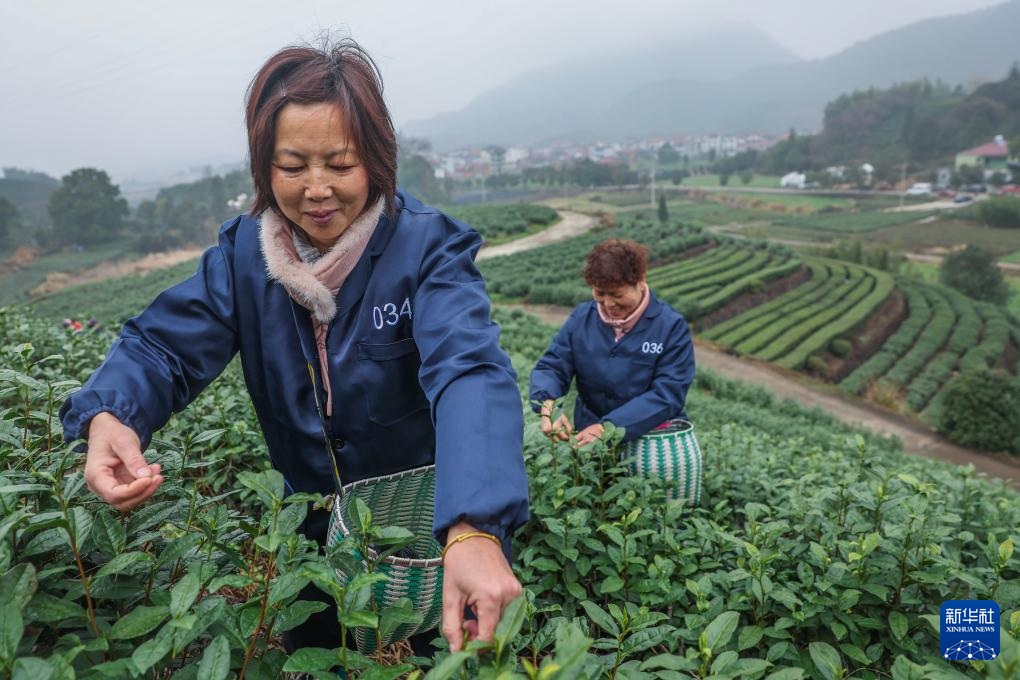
x: 115, y: 469
x: 561, y: 429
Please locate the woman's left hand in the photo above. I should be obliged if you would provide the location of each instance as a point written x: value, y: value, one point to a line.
x: 476, y: 575
x: 590, y: 434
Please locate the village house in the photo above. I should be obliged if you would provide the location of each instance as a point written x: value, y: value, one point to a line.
x: 991, y: 157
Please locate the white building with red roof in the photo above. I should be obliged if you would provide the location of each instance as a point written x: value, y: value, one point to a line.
x: 991, y: 157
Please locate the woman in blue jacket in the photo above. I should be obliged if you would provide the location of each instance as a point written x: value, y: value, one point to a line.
x: 631, y: 353
x: 336, y: 270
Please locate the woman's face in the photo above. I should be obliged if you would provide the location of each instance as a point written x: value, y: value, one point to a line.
x: 318, y: 179
x: 619, y: 302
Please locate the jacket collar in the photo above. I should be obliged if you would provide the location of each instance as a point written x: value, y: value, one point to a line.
x: 354, y: 288
x: 654, y: 306
x: 298, y: 277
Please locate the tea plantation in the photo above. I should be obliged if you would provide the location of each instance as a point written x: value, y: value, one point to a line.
x: 764, y: 300
x: 816, y: 552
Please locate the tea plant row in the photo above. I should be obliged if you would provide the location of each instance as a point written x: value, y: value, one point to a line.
x: 943, y: 334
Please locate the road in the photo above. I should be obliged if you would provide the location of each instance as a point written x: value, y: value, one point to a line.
x: 571, y: 224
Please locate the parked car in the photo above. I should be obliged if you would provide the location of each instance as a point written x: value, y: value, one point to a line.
x: 977, y: 188
x: 1010, y: 189
x: 963, y: 198
x: 946, y: 193
x: 919, y: 189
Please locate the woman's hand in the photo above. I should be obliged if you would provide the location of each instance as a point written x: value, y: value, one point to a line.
x: 560, y: 429
x: 590, y: 434
x: 476, y: 575
x: 115, y: 469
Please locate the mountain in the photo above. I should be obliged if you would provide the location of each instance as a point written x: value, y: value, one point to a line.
x: 570, y: 99
x: 708, y: 92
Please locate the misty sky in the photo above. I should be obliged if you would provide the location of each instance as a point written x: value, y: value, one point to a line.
x: 143, y: 89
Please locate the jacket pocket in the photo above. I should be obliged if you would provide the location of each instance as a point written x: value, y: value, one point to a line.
x: 390, y: 377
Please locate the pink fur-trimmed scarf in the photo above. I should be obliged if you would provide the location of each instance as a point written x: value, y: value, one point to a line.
x: 623, y: 326
x: 315, y: 285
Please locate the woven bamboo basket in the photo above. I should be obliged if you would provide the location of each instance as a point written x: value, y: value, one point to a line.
x: 406, y: 500
x: 672, y: 454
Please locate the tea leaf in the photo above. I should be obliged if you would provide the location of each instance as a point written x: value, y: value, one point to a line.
x: 826, y: 660
x: 183, y: 595
x: 215, y: 663
x: 138, y: 621
x: 11, y: 629
x: 719, y: 632
x: 600, y: 618
x: 18, y: 585
x: 311, y: 659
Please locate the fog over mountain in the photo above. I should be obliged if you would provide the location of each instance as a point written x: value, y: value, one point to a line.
x: 145, y: 90
x: 733, y: 80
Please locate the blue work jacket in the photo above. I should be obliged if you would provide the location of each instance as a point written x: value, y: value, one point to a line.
x: 637, y: 383
x: 415, y: 366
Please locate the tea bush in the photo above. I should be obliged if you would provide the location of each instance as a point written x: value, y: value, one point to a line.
x: 817, y: 552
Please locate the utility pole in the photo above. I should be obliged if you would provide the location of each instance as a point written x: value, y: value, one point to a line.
x: 653, y: 184
x: 903, y: 180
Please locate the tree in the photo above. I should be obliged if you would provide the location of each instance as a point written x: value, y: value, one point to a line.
x: 415, y: 172
x: 663, y: 210
x: 746, y: 176
x: 10, y: 220
x: 87, y: 208
x: 668, y: 155
x: 979, y: 410
x: 724, y: 178
x: 968, y: 174
x: 1014, y: 147
x: 974, y: 273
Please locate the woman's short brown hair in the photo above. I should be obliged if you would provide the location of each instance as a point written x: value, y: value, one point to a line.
x: 616, y: 262
x: 343, y: 74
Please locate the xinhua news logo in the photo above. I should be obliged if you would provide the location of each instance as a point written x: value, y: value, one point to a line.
x: 969, y: 630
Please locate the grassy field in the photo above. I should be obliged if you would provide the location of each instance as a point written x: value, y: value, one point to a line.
x: 114, y: 300
x: 949, y: 232
x: 14, y: 287
x: 606, y: 200
x: 1012, y: 257
x: 803, y: 201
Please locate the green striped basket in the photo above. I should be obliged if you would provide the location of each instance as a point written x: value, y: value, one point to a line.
x: 404, y: 499
x: 671, y: 453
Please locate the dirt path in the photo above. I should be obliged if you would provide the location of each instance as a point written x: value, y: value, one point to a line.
x: 571, y: 224
x: 108, y: 270
x: 916, y: 437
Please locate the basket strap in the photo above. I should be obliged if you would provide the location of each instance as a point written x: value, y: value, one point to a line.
x: 325, y: 432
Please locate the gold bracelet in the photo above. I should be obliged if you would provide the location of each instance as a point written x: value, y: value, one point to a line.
x: 471, y: 534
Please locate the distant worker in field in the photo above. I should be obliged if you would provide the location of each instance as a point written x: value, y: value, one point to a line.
x: 364, y: 334
x: 632, y: 354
